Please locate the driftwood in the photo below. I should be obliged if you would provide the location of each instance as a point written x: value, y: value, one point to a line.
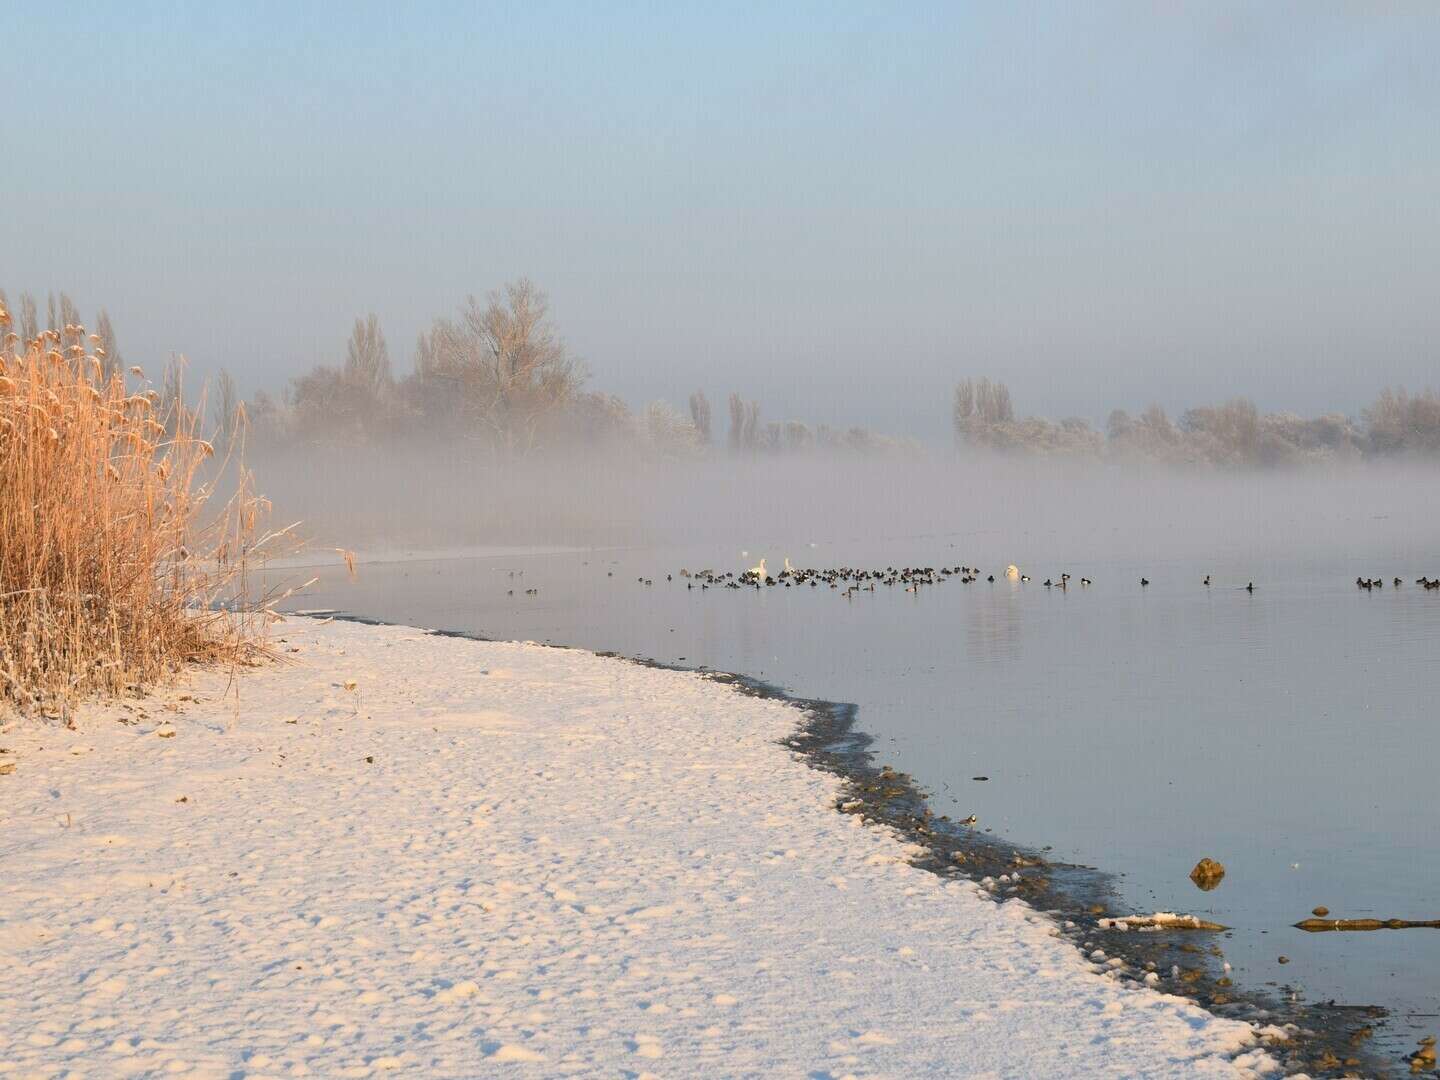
x: 1317, y: 926
x: 1161, y: 920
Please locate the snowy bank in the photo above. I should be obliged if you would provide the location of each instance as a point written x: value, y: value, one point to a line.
x: 454, y: 858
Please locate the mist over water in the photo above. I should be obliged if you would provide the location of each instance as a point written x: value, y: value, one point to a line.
x: 997, y: 510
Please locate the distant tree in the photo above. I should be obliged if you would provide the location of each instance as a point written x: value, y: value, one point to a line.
x: 751, y: 436
x: 69, y: 313
x: 1228, y: 434
x: 737, y: 423
x: 798, y: 437
x: 992, y: 402
x: 859, y: 440
x: 367, y: 358
x: 174, y: 412
x: 700, y: 415
x: 1119, y: 424
x: 598, y: 420
x: 268, y: 419
x: 979, y: 409
x: 1398, y: 422
x: 109, y: 348
x: 668, y: 432
x: 771, y: 438
x: 506, y: 362
x: 227, y: 407
x: 29, y: 318
x: 962, y: 411
x: 1157, y: 424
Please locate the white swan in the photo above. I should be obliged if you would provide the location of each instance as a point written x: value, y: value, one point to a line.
x: 788, y: 568
x: 1012, y: 572
x: 759, y: 571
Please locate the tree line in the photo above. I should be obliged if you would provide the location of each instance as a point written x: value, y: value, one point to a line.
x: 1234, y: 433
x: 497, y: 377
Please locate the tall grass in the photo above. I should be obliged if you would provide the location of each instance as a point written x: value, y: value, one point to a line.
x: 115, y: 570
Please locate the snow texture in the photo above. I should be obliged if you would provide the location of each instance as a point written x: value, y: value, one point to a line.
x: 406, y: 854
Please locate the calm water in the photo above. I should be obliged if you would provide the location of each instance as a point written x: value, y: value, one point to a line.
x: 1288, y: 733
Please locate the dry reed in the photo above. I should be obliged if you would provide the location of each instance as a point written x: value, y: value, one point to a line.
x: 114, y: 570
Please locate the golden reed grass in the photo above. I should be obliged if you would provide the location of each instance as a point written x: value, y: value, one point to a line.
x: 115, y: 571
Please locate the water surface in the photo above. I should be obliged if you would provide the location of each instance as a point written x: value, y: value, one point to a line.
x: 1288, y: 733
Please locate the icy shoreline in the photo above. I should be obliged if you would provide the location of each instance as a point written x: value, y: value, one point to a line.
x: 431, y: 855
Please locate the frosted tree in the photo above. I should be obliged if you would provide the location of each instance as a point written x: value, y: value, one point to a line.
x: 227, y: 407
x: 700, y: 415
x: 105, y: 331
x: 737, y: 423
x: 29, y: 318
x: 507, y: 363
x: 367, y: 358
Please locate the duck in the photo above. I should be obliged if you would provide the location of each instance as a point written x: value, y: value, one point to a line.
x: 1250, y: 587
x: 971, y: 820
x: 1144, y: 582
x: 1086, y: 581
x: 1206, y: 582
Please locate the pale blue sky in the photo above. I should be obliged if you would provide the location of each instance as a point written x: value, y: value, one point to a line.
x: 838, y: 210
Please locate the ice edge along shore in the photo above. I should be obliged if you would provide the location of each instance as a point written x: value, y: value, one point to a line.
x: 410, y: 853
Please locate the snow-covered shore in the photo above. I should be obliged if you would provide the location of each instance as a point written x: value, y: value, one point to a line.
x: 430, y: 856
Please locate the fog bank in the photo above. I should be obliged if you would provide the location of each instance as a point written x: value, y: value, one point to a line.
x: 988, y: 508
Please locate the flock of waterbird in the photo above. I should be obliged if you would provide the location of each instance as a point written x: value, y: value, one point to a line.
x: 853, y: 579
x: 850, y: 580
x: 1379, y: 583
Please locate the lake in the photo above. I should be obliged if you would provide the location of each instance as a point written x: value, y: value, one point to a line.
x: 1288, y: 733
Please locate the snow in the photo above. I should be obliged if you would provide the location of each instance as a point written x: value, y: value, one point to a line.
x: 504, y: 859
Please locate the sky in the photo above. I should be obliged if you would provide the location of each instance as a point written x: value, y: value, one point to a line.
x: 838, y: 210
